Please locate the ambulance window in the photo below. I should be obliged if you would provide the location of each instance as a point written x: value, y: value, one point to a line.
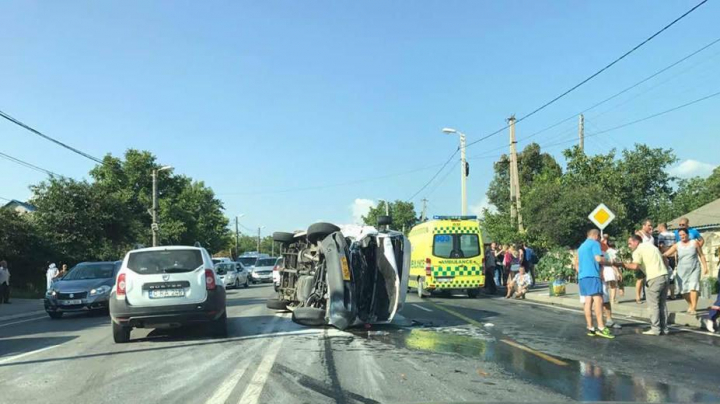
x: 442, y: 245
x: 469, y: 245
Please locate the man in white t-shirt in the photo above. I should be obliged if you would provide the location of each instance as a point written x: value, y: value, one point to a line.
x: 50, y: 274
x: 645, y: 233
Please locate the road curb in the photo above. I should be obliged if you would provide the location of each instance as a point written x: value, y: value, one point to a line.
x: 21, y: 315
x: 677, y: 318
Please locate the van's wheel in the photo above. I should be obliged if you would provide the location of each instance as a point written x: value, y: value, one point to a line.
x: 283, y: 237
x: 121, y: 333
x: 55, y: 314
x: 276, y: 304
x: 310, y: 316
x: 218, y: 328
x: 318, y: 231
x: 473, y: 293
x: 421, y: 289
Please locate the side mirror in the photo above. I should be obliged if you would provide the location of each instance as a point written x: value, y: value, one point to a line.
x: 384, y: 220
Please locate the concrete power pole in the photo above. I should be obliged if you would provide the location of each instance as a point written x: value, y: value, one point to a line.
x: 237, y: 238
x: 154, y: 226
x: 463, y: 175
x: 581, y: 132
x: 258, y: 249
x: 515, y: 205
x: 423, y: 215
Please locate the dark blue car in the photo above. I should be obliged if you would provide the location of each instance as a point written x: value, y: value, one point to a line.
x: 86, y: 287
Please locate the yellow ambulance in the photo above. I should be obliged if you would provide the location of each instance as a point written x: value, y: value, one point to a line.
x: 447, y: 255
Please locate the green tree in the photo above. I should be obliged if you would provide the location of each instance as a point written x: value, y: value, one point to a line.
x: 24, y: 249
x: 402, y: 213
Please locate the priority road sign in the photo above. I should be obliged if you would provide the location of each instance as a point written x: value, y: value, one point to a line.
x: 601, y: 216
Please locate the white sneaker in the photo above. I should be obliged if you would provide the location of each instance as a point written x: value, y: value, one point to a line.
x: 709, y: 324
x: 666, y: 331
x: 651, y: 332
x: 616, y: 326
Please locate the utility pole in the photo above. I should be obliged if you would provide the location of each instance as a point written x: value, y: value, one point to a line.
x: 258, y: 246
x: 423, y: 215
x: 237, y: 238
x: 511, y: 168
x: 514, y: 177
x: 463, y: 175
x: 154, y: 226
x: 581, y: 132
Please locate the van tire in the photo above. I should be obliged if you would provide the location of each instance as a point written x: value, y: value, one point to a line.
x: 318, y: 231
x: 309, y: 316
x: 276, y: 304
x: 283, y: 237
x: 473, y: 293
x: 121, y: 333
x: 421, y: 289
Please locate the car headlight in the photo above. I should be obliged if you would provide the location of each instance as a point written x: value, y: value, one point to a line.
x: 100, y: 290
x: 51, y: 292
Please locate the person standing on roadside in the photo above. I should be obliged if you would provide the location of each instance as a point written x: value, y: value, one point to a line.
x: 645, y: 233
x: 50, y: 274
x: 610, y: 276
x: 693, y: 234
x: 588, y: 261
x: 647, y: 258
x: 63, y: 271
x: 499, y: 265
x: 489, y: 269
x: 689, y: 258
x: 530, y: 259
x: 507, y: 263
x: 4, y: 282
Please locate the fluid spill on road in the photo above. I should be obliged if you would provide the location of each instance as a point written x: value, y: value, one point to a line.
x: 575, y: 379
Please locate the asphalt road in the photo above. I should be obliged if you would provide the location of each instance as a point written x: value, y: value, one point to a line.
x: 450, y: 349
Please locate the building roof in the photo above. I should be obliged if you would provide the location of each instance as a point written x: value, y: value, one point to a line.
x: 704, y: 217
x: 13, y: 204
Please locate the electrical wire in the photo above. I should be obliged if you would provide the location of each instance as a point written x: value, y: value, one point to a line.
x: 573, y: 88
x: 28, y: 165
x: 74, y: 150
x: 434, y: 176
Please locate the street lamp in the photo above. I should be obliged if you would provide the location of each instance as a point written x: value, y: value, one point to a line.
x: 237, y: 234
x: 258, y: 244
x: 154, y: 226
x: 463, y: 168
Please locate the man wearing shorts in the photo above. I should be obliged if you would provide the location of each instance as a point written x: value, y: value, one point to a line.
x: 589, y: 259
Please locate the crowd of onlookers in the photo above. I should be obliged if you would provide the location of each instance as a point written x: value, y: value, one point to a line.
x: 512, y: 266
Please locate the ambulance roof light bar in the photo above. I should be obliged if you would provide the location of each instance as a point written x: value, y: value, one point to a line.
x: 472, y: 217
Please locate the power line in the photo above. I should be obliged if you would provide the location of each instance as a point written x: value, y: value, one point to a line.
x: 663, y: 70
x: 573, y: 88
x: 5, y: 199
x: 434, y: 176
x: 28, y: 165
x: 74, y: 150
x: 442, y: 180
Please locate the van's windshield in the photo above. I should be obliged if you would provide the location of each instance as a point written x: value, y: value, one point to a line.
x: 456, y: 245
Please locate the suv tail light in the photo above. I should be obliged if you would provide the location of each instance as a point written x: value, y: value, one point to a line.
x: 209, y: 279
x: 121, y: 285
x: 276, y: 268
x: 428, y: 267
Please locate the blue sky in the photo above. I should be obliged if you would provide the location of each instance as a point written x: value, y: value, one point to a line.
x: 259, y: 99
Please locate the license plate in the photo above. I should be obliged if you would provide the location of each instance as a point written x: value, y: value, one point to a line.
x: 444, y: 280
x: 70, y: 302
x: 158, y: 294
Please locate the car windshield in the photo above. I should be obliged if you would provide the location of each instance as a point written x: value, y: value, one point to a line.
x: 266, y: 262
x: 247, y: 261
x: 165, y: 261
x: 90, y: 271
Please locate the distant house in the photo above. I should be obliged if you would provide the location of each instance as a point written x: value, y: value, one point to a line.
x: 706, y: 219
x: 20, y: 207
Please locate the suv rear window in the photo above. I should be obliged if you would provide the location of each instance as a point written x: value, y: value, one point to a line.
x: 247, y: 261
x: 456, y: 245
x: 266, y: 262
x: 168, y: 261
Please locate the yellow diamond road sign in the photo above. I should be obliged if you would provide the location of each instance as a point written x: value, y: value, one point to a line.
x: 601, y: 216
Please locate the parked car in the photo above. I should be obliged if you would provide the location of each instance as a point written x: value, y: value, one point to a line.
x: 217, y: 260
x: 263, y: 270
x: 232, y: 274
x: 167, y: 286
x: 249, y: 259
x: 85, y: 287
x: 342, y: 277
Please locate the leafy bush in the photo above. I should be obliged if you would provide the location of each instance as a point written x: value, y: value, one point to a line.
x: 555, y: 264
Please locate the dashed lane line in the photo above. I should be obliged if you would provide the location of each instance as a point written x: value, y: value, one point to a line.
x: 255, y: 388
x: 421, y: 308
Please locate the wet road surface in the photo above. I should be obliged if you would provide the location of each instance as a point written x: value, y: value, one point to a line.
x: 442, y: 349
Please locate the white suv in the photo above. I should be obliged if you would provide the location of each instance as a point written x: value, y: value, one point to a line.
x: 167, y: 286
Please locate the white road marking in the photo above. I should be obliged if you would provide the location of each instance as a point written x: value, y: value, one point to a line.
x: 255, y: 388
x: 421, y: 308
x: 22, y: 321
x: 12, y: 358
x: 21, y: 315
x: 223, y: 392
